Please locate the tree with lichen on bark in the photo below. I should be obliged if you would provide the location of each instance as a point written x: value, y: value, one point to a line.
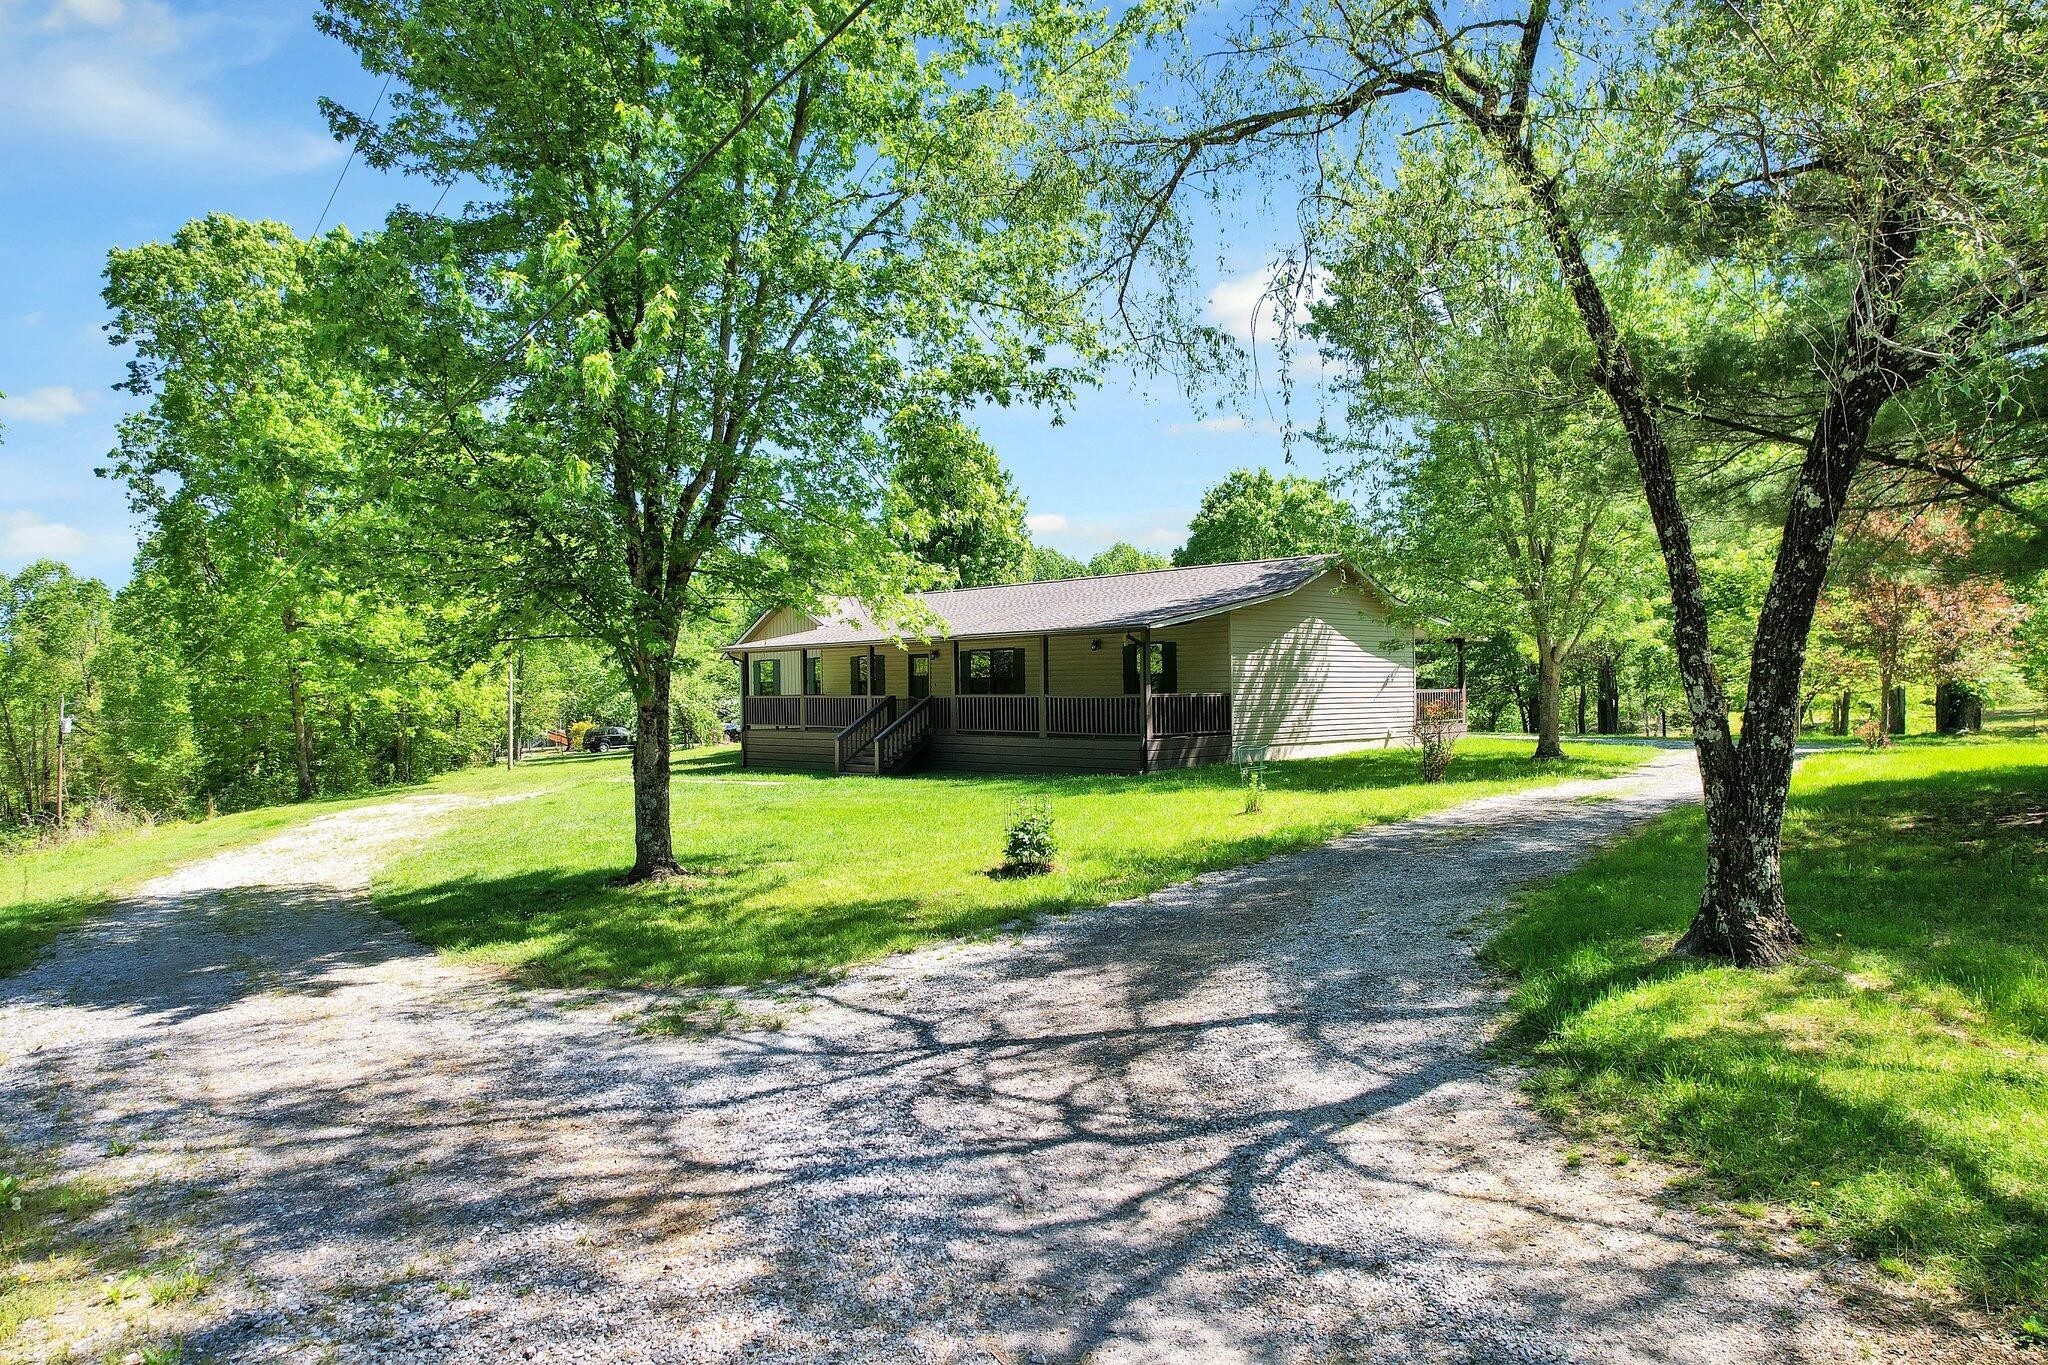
x: 1857, y: 188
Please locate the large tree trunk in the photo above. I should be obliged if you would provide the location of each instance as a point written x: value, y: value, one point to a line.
x: 1742, y: 915
x: 654, y: 853
x: 1742, y: 907
x: 1549, y: 669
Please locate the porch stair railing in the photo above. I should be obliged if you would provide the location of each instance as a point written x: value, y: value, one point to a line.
x: 903, y: 740
x: 850, y: 744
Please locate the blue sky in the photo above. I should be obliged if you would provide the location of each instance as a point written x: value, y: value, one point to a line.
x: 121, y: 119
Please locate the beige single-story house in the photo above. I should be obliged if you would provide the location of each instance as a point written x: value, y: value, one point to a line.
x: 1272, y: 659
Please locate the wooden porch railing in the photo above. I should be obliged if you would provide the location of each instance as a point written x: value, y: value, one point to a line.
x: 805, y: 713
x: 1191, y: 713
x: 1104, y: 717
x: 1452, y: 696
x: 862, y: 732
x: 780, y: 712
x: 1117, y: 717
x: 904, y: 736
x: 1001, y: 715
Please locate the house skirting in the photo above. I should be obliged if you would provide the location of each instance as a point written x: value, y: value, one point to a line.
x: 1262, y: 753
x: 811, y: 751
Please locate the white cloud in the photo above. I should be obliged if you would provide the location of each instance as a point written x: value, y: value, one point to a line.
x: 25, y: 536
x: 131, y: 75
x: 1260, y: 305
x: 1208, y: 424
x: 87, y: 13
x: 1226, y: 425
x: 52, y: 403
x: 1044, y: 523
x: 1148, y: 527
x: 34, y: 319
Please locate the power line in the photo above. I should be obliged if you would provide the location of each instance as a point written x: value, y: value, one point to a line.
x: 353, y: 148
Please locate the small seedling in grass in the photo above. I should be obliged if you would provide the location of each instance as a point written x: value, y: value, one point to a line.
x: 454, y: 1289
x: 119, y: 1148
x: 1029, y: 844
x: 1254, y: 788
x: 1574, y: 1159
x: 2033, y: 1331
x: 1619, y: 1158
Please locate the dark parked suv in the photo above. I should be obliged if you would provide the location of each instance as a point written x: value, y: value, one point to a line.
x: 602, y: 737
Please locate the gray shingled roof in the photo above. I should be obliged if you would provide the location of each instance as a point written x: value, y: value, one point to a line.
x: 1156, y: 597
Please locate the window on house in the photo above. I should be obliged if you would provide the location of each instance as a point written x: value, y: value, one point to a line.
x: 992, y: 672
x: 920, y: 676
x: 814, y: 675
x: 1165, y: 667
x: 860, y: 677
x: 767, y: 677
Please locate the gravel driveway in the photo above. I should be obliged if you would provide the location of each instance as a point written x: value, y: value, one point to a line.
x: 1245, y: 1118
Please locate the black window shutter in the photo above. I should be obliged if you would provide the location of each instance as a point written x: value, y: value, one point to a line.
x: 1169, y: 667
x: 881, y: 687
x: 1131, y: 684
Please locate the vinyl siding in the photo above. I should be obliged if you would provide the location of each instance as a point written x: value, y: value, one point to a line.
x: 838, y: 668
x: 1319, y: 669
x: 1080, y: 670
x: 1077, y: 668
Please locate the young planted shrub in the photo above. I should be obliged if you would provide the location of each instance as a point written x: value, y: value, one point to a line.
x: 1437, y: 724
x: 1028, y: 850
x: 1254, y: 788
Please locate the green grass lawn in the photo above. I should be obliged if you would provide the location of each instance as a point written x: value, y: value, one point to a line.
x: 794, y: 874
x: 1891, y: 1091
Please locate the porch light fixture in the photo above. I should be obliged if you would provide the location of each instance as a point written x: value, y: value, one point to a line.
x: 1095, y: 644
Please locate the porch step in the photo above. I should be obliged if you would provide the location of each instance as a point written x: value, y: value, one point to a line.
x: 901, y: 745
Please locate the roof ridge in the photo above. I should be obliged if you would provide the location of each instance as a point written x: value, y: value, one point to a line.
x: 1128, y: 573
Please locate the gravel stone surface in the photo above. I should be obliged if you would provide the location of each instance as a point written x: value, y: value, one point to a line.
x: 1246, y: 1118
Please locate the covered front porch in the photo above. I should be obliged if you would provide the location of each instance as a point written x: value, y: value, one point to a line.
x: 985, y: 705
x: 1026, y: 733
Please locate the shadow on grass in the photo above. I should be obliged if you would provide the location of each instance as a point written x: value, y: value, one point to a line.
x: 801, y: 874
x: 1888, y: 1088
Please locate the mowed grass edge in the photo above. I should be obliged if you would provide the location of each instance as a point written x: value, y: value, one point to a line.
x: 794, y: 874
x: 1889, y: 1092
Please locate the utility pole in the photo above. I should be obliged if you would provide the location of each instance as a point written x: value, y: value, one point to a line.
x: 63, y: 729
